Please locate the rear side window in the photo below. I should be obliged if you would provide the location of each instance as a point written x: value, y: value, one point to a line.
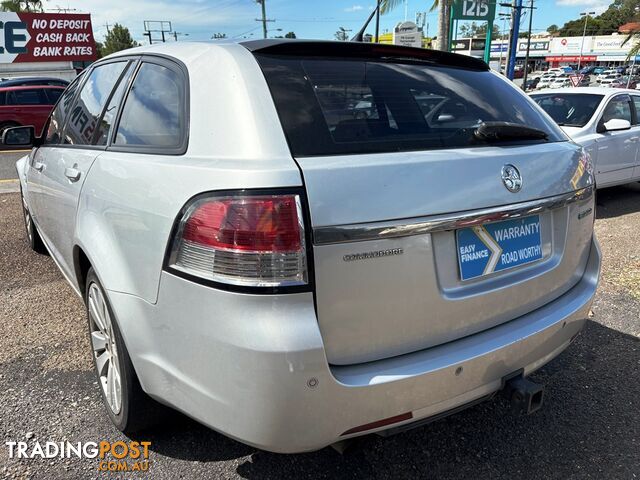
x: 153, y: 114
x: 35, y: 96
x: 93, y: 97
x: 3, y: 98
x: 53, y: 94
x: 636, y: 103
x: 334, y: 106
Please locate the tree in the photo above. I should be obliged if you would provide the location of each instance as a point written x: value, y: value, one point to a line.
x: 553, y: 30
x: 472, y: 30
x: 341, y: 35
x: 21, y: 6
x: 618, y: 13
x: 444, y: 17
x: 99, y: 49
x: 290, y: 35
x: 118, y: 38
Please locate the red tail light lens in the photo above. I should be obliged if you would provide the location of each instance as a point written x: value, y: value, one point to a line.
x: 243, y: 240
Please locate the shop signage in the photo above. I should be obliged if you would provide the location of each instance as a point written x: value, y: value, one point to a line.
x: 46, y: 37
x: 407, y: 34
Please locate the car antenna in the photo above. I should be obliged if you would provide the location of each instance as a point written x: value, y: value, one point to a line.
x: 358, y: 37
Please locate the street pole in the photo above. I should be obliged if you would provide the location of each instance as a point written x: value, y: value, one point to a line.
x: 526, y: 57
x: 378, y: 22
x: 264, y: 17
x: 584, y: 33
x: 513, y: 37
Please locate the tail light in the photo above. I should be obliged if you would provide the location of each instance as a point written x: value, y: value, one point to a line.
x: 247, y: 240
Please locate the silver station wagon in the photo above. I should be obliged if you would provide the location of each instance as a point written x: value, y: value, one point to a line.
x: 300, y: 242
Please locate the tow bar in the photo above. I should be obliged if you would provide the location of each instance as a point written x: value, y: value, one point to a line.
x: 524, y: 395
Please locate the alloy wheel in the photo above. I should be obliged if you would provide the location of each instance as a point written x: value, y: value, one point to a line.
x: 105, y: 351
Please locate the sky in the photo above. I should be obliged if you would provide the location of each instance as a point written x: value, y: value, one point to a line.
x: 320, y: 19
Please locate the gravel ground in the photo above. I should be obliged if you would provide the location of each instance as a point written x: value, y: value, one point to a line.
x: 588, y: 427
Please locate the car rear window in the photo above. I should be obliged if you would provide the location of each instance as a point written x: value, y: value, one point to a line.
x: 334, y: 106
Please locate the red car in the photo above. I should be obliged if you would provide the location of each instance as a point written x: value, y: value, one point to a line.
x: 27, y: 105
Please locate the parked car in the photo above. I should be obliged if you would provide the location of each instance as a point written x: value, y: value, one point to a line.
x: 608, y: 77
x: 599, y: 70
x: 293, y: 278
x: 604, y: 121
x: 32, y: 81
x: 27, y: 106
x: 532, y: 83
x: 546, y: 80
x: 561, y: 81
x: 587, y: 70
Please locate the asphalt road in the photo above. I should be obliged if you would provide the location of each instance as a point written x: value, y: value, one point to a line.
x: 8, y: 163
x: 589, y: 426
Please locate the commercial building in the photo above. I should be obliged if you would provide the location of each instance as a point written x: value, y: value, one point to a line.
x: 544, y: 52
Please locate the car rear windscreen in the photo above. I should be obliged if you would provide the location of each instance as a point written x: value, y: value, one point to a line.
x: 332, y: 106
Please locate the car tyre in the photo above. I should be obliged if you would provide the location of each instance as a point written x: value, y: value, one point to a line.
x: 33, y: 237
x: 128, y: 406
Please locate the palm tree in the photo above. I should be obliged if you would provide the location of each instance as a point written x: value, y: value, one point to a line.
x: 444, y: 16
x: 634, y: 34
x: 21, y: 6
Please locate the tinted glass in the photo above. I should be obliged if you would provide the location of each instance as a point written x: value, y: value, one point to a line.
x: 54, y: 95
x: 57, y: 118
x: 3, y: 98
x: 108, y: 117
x: 35, y: 96
x: 617, y: 108
x: 355, y: 106
x: 92, y: 99
x: 153, y: 110
x: 636, y: 102
x: 570, y: 110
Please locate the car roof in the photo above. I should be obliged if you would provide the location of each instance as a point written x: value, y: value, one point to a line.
x: 191, y: 51
x: 582, y: 90
x: 30, y: 87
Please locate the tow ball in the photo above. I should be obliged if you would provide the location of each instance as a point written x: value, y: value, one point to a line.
x: 525, y: 396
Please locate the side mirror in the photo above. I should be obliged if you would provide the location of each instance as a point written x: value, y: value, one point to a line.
x: 19, y: 136
x: 616, y: 124
x: 445, y: 117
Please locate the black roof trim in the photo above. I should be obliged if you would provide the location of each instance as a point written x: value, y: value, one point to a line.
x: 313, y: 48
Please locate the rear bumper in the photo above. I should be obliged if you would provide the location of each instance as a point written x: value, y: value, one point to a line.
x: 254, y: 367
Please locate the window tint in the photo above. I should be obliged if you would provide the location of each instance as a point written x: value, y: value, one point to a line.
x: 108, y: 117
x: 567, y: 109
x: 335, y: 106
x: 153, y: 110
x: 54, y: 95
x: 3, y: 98
x: 57, y: 118
x: 636, y: 102
x: 35, y: 96
x: 619, y: 108
x: 92, y: 99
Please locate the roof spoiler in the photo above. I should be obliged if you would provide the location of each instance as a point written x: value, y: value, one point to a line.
x: 318, y: 48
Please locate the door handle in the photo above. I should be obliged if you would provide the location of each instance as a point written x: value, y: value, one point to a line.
x: 39, y: 166
x: 72, y: 173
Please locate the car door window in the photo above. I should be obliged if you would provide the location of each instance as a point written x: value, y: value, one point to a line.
x: 618, y: 108
x: 53, y: 134
x: 153, y: 113
x: 34, y: 96
x: 54, y: 95
x: 109, y: 114
x: 92, y: 99
x: 636, y: 104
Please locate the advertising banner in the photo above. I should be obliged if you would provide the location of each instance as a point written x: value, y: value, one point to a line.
x: 563, y: 45
x: 46, y: 37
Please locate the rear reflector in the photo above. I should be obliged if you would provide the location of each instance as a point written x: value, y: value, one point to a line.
x: 252, y: 240
x: 379, y: 423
